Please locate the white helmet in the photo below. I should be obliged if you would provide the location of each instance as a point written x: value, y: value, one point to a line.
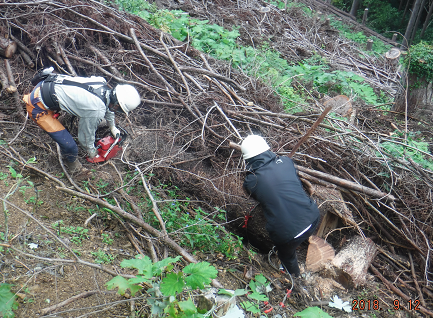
x: 127, y: 96
x: 253, y: 145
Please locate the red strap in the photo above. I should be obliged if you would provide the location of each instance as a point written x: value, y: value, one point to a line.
x: 247, y: 217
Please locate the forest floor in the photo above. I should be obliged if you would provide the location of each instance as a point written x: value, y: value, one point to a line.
x: 45, y: 224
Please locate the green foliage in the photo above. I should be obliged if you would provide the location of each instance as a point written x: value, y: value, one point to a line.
x: 420, y: 60
x: 264, y: 63
x: 193, y: 227
x: 382, y: 16
x: 7, y: 301
x: 3, y: 176
x: 14, y: 173
x: 259, y: 290
x: 102, y: 258
x: 77, y: 234
x: 168, y: 295
x: 359, y: 37
x: 413, y: 148
x: 106, y: 239
x: 312, y: 312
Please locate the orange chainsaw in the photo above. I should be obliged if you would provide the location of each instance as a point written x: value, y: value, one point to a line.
x: 108, y: 147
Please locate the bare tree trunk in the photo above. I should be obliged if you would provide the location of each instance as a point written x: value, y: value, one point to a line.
x: 419, y: 100
x: 410, y: 26
x: 405, y: 10
x: 418, y: 18
x: 427, y: 19
x: 355, y: 6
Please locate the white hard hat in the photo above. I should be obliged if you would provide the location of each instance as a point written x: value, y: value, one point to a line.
x: 253, y: 145
x: 127, y: 96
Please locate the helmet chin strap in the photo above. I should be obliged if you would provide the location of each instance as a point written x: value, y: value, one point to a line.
x: 113, y: 97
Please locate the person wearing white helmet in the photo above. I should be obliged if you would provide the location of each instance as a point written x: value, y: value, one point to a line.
x: 291, y: 215
x: 88, y: 98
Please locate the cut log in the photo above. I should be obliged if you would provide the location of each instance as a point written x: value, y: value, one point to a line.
x: 333, y: 206
x: 350, y: 265
x: 319, y: 254
x: 7, y: 47
x: 8, y: 83
x: 27, y: 59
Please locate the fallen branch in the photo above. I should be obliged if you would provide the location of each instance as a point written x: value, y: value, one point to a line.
x: 47, y: 310
x: 398, y: 291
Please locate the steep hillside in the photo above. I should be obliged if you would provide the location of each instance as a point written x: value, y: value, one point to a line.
x: 178, y: 155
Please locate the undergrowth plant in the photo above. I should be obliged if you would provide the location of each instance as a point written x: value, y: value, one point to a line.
x: 168, y: 288
x: 77, y: 234
x: 264, y: 62
x: 260, y: 287
x: 419, y: 61
x: 415, y: 148
x: 8, y: 301
x: 192, y: 227
x: 379, y: 47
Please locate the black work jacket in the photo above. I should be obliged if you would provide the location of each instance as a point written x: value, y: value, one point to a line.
x: 273, y: 181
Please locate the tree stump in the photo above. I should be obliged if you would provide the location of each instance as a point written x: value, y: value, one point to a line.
x: 392, y: 56
x: 350, y: 265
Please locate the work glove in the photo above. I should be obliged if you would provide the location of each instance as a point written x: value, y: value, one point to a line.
x: 115, y: 132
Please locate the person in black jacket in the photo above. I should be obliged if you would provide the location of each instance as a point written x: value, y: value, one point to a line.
x: 291, y: 215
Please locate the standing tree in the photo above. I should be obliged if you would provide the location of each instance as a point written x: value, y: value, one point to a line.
x: 418, y: 18
x: 427, y: 19
x: 412, y: 23
x: 355, y: 6
x: 418, y: 93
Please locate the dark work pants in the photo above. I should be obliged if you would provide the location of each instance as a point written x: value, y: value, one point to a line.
x: 287, y: 251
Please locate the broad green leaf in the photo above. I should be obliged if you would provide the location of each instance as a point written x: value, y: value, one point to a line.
x: 139, y: 279
x: 171, y: 310
x: 261, y: 279
x: 159, y: 266
x: 7, y: 301
x: 259, y: 297
x: 199, y: 274
x: 13, y: 172
x: 312, y: 312
x: 157, y: 306
x: 142, y: 263
x: 251, y: 307
x: 188, y: 307
x: 172, y: 284
x: 123, y: 284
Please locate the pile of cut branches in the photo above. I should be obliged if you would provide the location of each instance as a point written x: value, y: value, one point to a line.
x: 193, y: 106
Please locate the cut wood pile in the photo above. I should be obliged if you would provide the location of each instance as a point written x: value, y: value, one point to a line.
x: 193, y: 106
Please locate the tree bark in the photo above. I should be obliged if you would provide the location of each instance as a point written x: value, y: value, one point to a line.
x: 410, y: 26
x: 405, y: 10
x: 418, y: 18
x: 418, y: 99
x: 427, y: 19
x: 355, y: 6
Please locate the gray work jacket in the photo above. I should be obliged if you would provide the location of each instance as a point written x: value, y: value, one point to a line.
x: 89, y: 108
